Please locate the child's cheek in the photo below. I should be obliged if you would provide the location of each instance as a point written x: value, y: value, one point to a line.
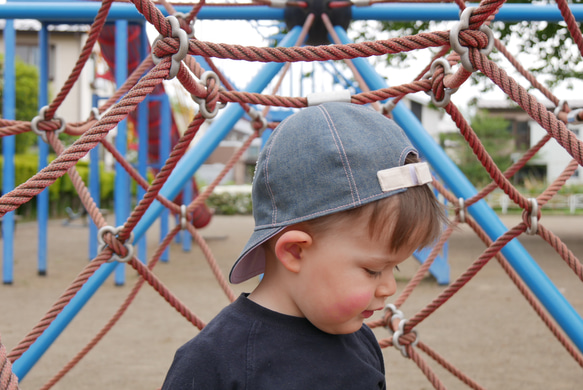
x: 350, y: 305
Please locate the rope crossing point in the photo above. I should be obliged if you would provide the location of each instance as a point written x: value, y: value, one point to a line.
x: 462, y: 50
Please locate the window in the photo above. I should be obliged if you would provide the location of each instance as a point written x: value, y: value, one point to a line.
x: 417, y: 110
x: 30, y: 54
x: 521, y: 135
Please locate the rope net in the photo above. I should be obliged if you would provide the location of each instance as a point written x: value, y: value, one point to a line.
x: 173, y: 57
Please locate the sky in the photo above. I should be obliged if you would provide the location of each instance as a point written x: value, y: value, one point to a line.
x: 254, y: 33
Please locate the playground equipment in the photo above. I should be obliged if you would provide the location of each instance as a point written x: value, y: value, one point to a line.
x: 173, y: 56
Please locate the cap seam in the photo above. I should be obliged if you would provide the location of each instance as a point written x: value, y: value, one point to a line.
x: 326, y: 211
x: 342, y: 153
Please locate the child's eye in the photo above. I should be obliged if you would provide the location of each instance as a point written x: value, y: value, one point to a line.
x: 373, y: 273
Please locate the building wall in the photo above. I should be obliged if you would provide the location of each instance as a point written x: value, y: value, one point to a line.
x: 553, y: 155
x: 67, y: 48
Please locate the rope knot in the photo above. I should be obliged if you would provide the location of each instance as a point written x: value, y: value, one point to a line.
x: 166, y: 47
x: 440, y: 95
x: 209, y: 106
x: 403, y: 339
x: 479, y: 43
x: 123, y: 250
x: 258, y: 121
x: 46, y: 124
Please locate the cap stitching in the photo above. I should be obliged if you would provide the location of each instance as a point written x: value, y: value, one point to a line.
x: 323, y: 212
x: 342, y: 153
x: 275, y: 134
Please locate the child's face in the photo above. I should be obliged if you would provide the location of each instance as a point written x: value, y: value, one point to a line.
x: 345, y: 277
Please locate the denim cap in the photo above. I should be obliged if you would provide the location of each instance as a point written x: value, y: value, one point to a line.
x: 322, y: 160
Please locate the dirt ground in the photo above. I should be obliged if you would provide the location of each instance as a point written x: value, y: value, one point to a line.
x: 488, y: 330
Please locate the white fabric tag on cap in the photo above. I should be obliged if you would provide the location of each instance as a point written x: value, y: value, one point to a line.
x: 316, y: 98
x: 409, y: 175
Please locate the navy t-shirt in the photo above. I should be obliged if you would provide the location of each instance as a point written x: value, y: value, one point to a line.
x: 248, y: 346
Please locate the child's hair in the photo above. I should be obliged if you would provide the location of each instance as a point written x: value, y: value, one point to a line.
x: 410, y: 218
x: 331, y: 158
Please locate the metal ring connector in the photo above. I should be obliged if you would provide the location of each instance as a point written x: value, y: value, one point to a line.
x: 462, y: 210
x: 177, y: 57
x: 256, y: 116
x: 115, y: 231
x: 533, y: 228
x: 183, y: 217
x: 41, y: 117
x: 202, y: 102
x: 96, y: 114
x: 447, y: 91
x: 182, y: 16
x: 399, y: 333
x: 463, y: 51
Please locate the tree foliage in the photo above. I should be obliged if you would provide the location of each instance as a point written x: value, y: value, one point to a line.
x: 546, y: 49
x: 27, y: 81
x: 494, y: 134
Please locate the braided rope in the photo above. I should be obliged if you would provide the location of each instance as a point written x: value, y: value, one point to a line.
x: 8, y: 381
x: 93, y: 132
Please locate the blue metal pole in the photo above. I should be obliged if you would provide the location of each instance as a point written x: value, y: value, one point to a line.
x: 426, y: 12
x: 534, y: 277
x: 86, y: 12
x: 185, y: 170
x: 42, y: 199
x: 94, y: 187
x: 143, y: 140
x: 121, y: 190
x: 8, y: 145
x: 186, y: 199
x: 164, y: 136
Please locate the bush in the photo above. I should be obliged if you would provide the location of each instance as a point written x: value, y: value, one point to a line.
x: 230, y: 204
x: 62, y: 193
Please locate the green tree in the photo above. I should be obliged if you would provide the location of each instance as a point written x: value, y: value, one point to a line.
x: 494, y: 134
x: 27, y: 81
x: 546, y: 49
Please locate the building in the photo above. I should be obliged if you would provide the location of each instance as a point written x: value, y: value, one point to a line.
x: 552, y: 159
x: 65, y: 44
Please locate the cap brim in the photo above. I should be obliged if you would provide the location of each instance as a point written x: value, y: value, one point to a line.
x: 251, y: 262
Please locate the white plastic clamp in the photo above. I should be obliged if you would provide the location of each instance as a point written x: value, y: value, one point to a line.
x: 256, y: 116
x: 447, y: 91
x: 183, y: 217
x: 115, y: 231
x: 202, y: 102
x: 182, y: 15
x: 399, y: 333
x: 462, y: 209
x: 463, y: 51
x: 41, y: 117
x: 533, y: 215
x: 177, y: 57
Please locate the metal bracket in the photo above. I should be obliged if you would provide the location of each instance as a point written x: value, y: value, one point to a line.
x: 463, y: 51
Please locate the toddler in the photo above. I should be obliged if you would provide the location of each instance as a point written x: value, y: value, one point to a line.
x: 340, y: 199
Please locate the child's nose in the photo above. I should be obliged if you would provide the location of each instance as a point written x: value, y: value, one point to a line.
x: 387, y: 285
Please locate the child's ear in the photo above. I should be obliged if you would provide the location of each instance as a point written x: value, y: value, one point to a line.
x: 290, y: 248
